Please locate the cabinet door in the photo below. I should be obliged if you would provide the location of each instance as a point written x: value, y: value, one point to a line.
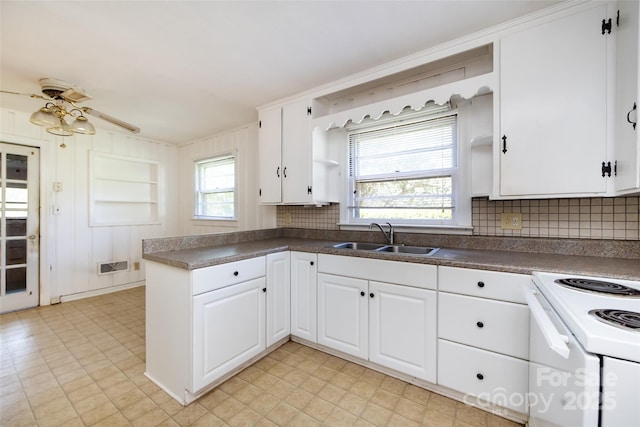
x: 278, y: 296
x: 228, y: 330
x: 402, y: 329
x: 343, y: 314
x: 553, y: 107
x: 303, y: 295
x: 627, y: 145
x: 297, y: 165
x: 269, y: 155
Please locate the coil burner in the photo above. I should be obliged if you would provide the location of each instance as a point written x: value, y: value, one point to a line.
x: 599, y: 286
x: 621, y: 318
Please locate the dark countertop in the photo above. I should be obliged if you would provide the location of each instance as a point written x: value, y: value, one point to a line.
x: 505, y: 261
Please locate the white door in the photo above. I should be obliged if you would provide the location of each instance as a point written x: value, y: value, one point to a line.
x: 228, y: 329
x: 553, y: 107
x: 278, y: 296
x: 303, y: 295
x: 343, y: 314
x: 296, y: 153
x: 19, y: 227
x: 402, y: 329
x: 269, y: 155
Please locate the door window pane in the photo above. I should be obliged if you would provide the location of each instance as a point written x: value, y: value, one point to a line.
x: 16, y: 252
x: 17, y: 195
x: 16, y: 227
x: 16, y: 279
x: 16, y: 167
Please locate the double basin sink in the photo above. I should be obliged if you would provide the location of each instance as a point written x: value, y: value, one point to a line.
x: 377, y: 247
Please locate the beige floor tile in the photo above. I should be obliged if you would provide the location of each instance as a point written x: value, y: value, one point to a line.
x: 318, y: 408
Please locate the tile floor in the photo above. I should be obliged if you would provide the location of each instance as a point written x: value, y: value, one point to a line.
x: 82, y: 363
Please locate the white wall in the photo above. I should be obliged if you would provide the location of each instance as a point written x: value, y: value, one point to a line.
x: 243, y: 143
x: 70, y: 249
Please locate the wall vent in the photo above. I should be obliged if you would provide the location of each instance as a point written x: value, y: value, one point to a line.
x: 112, y: 267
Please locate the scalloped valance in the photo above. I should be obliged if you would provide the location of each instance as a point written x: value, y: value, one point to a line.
x: 466, y: 89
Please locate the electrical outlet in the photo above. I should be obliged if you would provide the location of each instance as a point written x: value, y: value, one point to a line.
x: 136, y: 266
x: 287, y: 218
x: 57, y: 186
x: 511, y: 221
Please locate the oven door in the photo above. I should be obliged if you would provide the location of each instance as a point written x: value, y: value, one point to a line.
x: 564, y: 380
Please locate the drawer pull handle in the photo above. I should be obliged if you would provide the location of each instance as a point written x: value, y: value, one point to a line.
x: 480, y: 377
x: 361, y: 293
x: 235, y: 273
x: 480, y: 324
x: 481, y: 284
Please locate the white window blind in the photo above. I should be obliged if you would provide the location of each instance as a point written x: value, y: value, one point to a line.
x: 215, y: 188
x: 403, y: 171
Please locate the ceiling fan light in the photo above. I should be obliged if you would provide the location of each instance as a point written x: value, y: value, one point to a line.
x: 62, y: 128
x: 44, y: 117
x: 83, y: 126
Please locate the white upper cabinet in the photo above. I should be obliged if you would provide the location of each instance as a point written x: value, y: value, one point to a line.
x: 270, y: 155
x: 295, y: 163
x: 627, y: 144
x: 553, y: 107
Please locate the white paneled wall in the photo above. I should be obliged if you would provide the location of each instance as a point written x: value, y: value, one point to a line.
x: 243, y: 143
x: 70, y: 248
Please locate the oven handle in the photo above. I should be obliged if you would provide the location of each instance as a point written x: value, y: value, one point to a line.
x: 557, y: 341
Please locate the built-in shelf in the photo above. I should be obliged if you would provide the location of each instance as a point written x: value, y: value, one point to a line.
x: 123, y: 191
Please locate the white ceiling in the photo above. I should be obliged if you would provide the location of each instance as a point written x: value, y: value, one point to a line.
x: 182, y: 70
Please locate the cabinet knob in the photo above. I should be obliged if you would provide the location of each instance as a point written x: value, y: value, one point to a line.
x: 371, y: 295
x: 480, y: 377
x: 235, y: 273
x: 311, y: 262
x: 264, y: 290
x: 361, y: 293
x: 480, y: 324
x: 481, y: 284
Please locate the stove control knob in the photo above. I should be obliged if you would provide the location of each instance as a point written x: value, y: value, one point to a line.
x: 481, y: 284
x: 480, y: 324
x: 480, y: 377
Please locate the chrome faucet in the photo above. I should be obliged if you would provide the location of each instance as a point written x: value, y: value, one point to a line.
x: 389, y: 235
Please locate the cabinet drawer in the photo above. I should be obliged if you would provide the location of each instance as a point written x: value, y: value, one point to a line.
x: 492, y: 325
x: 481, y: 283
x: 218, y: 276
x: 489, y: 376
x: 401, y: 273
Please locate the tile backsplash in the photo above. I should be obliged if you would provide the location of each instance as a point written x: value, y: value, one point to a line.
x: 614, y: 218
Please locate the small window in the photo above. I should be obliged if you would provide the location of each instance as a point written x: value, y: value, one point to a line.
x: 404, y: 169
x: 216, y: 188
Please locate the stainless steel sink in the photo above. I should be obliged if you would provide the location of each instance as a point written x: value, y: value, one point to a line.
x: 377, y: 247
x: 401, y: 249
x: 360, y: 246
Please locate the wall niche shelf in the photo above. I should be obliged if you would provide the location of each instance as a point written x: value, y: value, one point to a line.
x: 462, y: 75
x: 123, y: 191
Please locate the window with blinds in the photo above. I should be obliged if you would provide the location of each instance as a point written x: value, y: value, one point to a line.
x: 404, y: 170
x: 215, y: 188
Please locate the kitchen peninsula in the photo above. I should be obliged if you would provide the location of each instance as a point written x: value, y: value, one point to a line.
x: 243, y: 289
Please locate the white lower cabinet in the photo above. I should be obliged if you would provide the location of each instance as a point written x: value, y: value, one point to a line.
x: 303, y: 295
x: 343, y: 314
x: 390, y: 324
x: 483, y: 335
x: 278, y: 290
x: 228, y: 329
x: 204, y: 324
x: 488, y: 376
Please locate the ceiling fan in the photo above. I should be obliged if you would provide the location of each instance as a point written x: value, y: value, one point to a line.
x: 62, y: 99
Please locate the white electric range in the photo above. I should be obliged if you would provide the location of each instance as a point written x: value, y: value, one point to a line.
x: 584, y: 351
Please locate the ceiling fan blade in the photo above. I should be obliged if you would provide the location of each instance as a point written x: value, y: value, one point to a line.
x: 30, y: 95
x: 108, y: 118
